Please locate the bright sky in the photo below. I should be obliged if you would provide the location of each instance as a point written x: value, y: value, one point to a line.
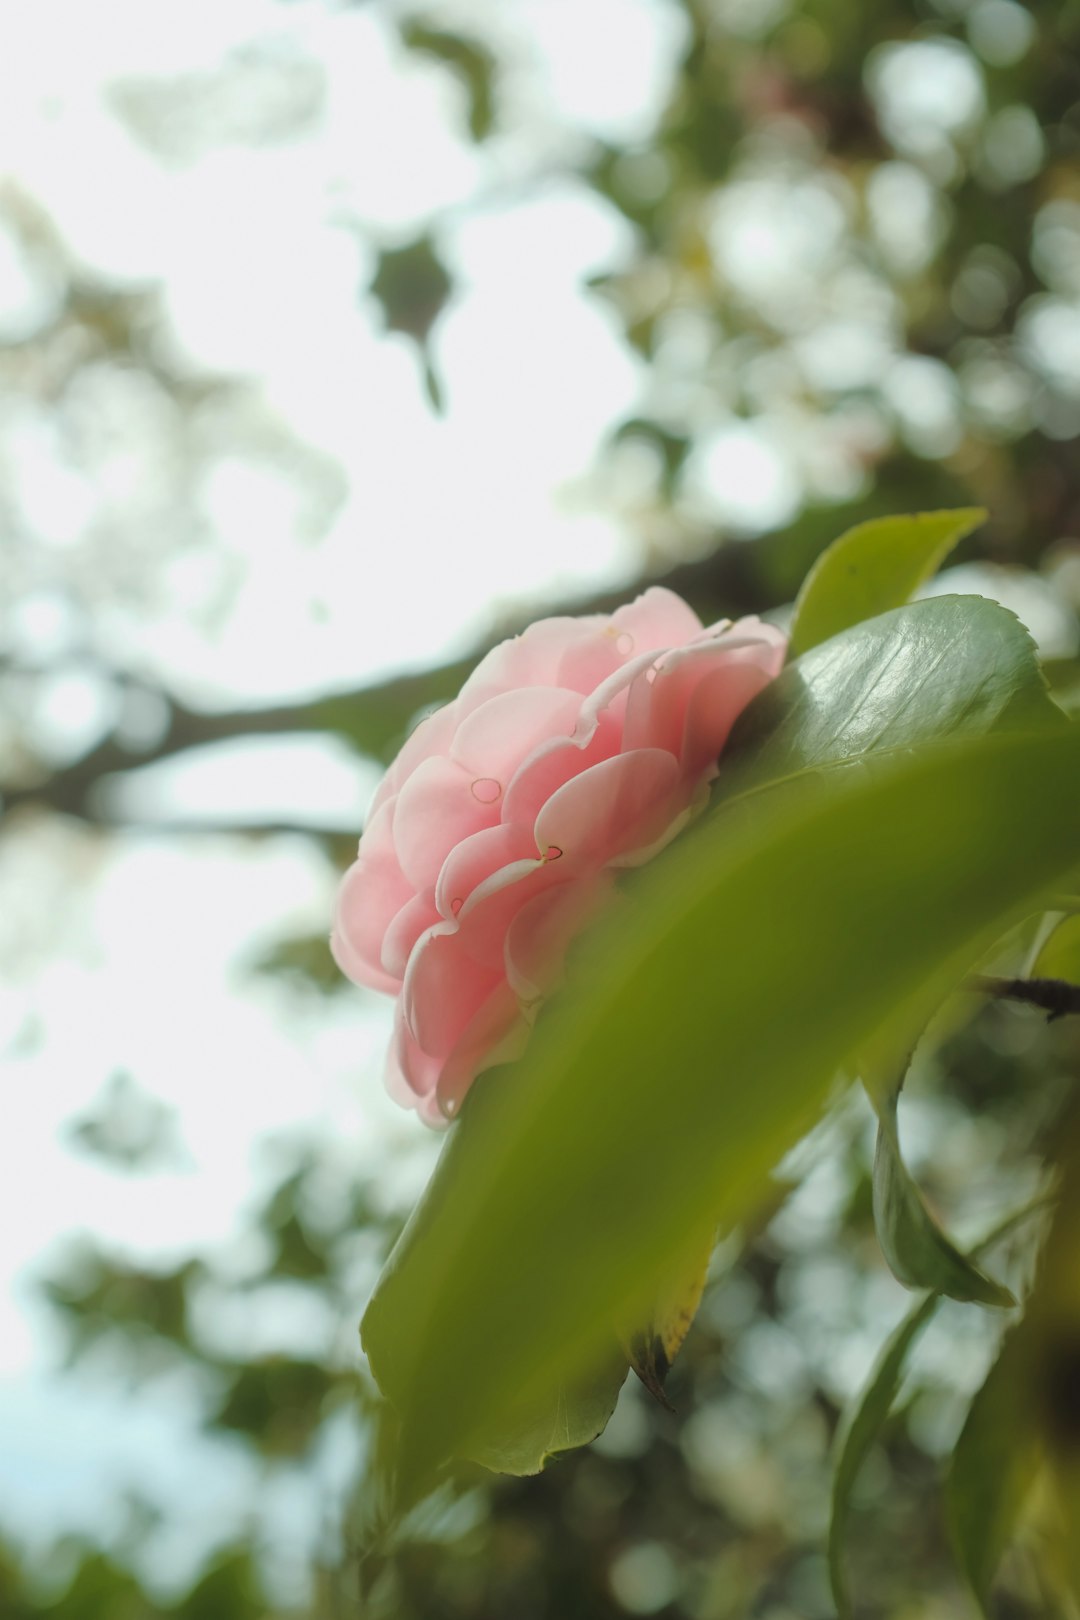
x: 134, y: 956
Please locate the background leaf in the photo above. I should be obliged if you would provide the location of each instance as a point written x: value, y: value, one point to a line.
x: 696, y: 1048
x: 471, y: 62
x: 653, y: 1342
x: 919, y: 1253
x: 994, y: 1466
x: 874, y: 567
x: 861, y: 1429
x: 1059, y: 957
x: 867, y: 1416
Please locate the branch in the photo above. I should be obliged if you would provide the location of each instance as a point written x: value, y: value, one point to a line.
x: 1056, y: 997
x: 373, y: 718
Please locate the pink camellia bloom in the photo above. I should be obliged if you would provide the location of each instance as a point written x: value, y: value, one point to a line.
x: 577, y: 748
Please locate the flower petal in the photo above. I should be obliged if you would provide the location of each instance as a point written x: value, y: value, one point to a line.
x: 402, y: 933
x: 555, y: 762
x: 531, y: 659
x: 658, y: 704
x: 475, y: 859
x: 435, y: 810
x: 539, y: 936
x: 657, y: 618
x: 613, y: 808
x: 497, y: 1033
x: 718, y: 700
x: 490, y: 909
x: 410, y: 1072
x: 372, y: 892
x: 430, y: 736
x: 492, y: 742
x: 443, y: 988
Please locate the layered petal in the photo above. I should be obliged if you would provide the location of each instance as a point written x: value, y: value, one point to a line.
x: 718, y: 700
x: 440, y: 805
x: 613, y: 808
x: 542, y: 929
x: 430, y: 736
x: 415, y: 917
x: 372, y: 892
x: 475, y: 859
x: 555, y: 762
x: 496, y: 1033
x: 659, y: 703
x: 410, y: 1072
x: 657, y: 619
x: 495, y: 738
x: 531, y: 659
x: 444, y: 986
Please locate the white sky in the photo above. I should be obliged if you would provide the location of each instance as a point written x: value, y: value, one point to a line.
x: 131, y: 955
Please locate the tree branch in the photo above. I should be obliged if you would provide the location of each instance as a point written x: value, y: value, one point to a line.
x: 372, y: 719
x: 1056, y: 997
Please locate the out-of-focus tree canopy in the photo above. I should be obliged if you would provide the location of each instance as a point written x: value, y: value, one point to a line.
x: 850, y: 281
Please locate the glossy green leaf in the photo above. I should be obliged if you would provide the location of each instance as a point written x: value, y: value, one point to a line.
x: 949, y: 666
x: 695, y: 1042
x: 867, y: 1417
x: 918, y: 1252
x: 874, y: 567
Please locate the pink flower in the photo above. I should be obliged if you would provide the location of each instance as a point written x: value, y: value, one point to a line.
x: 575, y: 749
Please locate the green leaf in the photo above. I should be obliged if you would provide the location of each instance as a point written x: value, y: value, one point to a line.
x: 950, y: 666
x: 413, y: 286
x: 575, y: 1412
x: 471, y: 62
x: 694, y: 1043
x: 917, y: 1250
x: 1059, y: 957
x: 655, y: 1338
x: 572, y: 1410
x: 867, y: 1416
x: 861, y: 1429
x: 874, y: 567
x: 994, y: 1465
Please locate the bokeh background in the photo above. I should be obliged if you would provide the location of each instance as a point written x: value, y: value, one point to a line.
x: 337, y: 340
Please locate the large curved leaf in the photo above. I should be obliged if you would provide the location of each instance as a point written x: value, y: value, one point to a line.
x: 690, y: 1051
x: 573, y: 1409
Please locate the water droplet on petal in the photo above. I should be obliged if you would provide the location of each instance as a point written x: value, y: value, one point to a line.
x: 552, y: 853
x: 448, y: 1106
x: 624, y: 644
x: 486, y: 789
x: 455, y: 906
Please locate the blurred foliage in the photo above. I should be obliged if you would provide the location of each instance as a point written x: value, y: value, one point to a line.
x: 412, y: 285
x: 905, y: 339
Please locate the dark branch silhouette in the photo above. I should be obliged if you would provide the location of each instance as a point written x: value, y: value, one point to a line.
x: 372, y: 719
x: 1055, y: 997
